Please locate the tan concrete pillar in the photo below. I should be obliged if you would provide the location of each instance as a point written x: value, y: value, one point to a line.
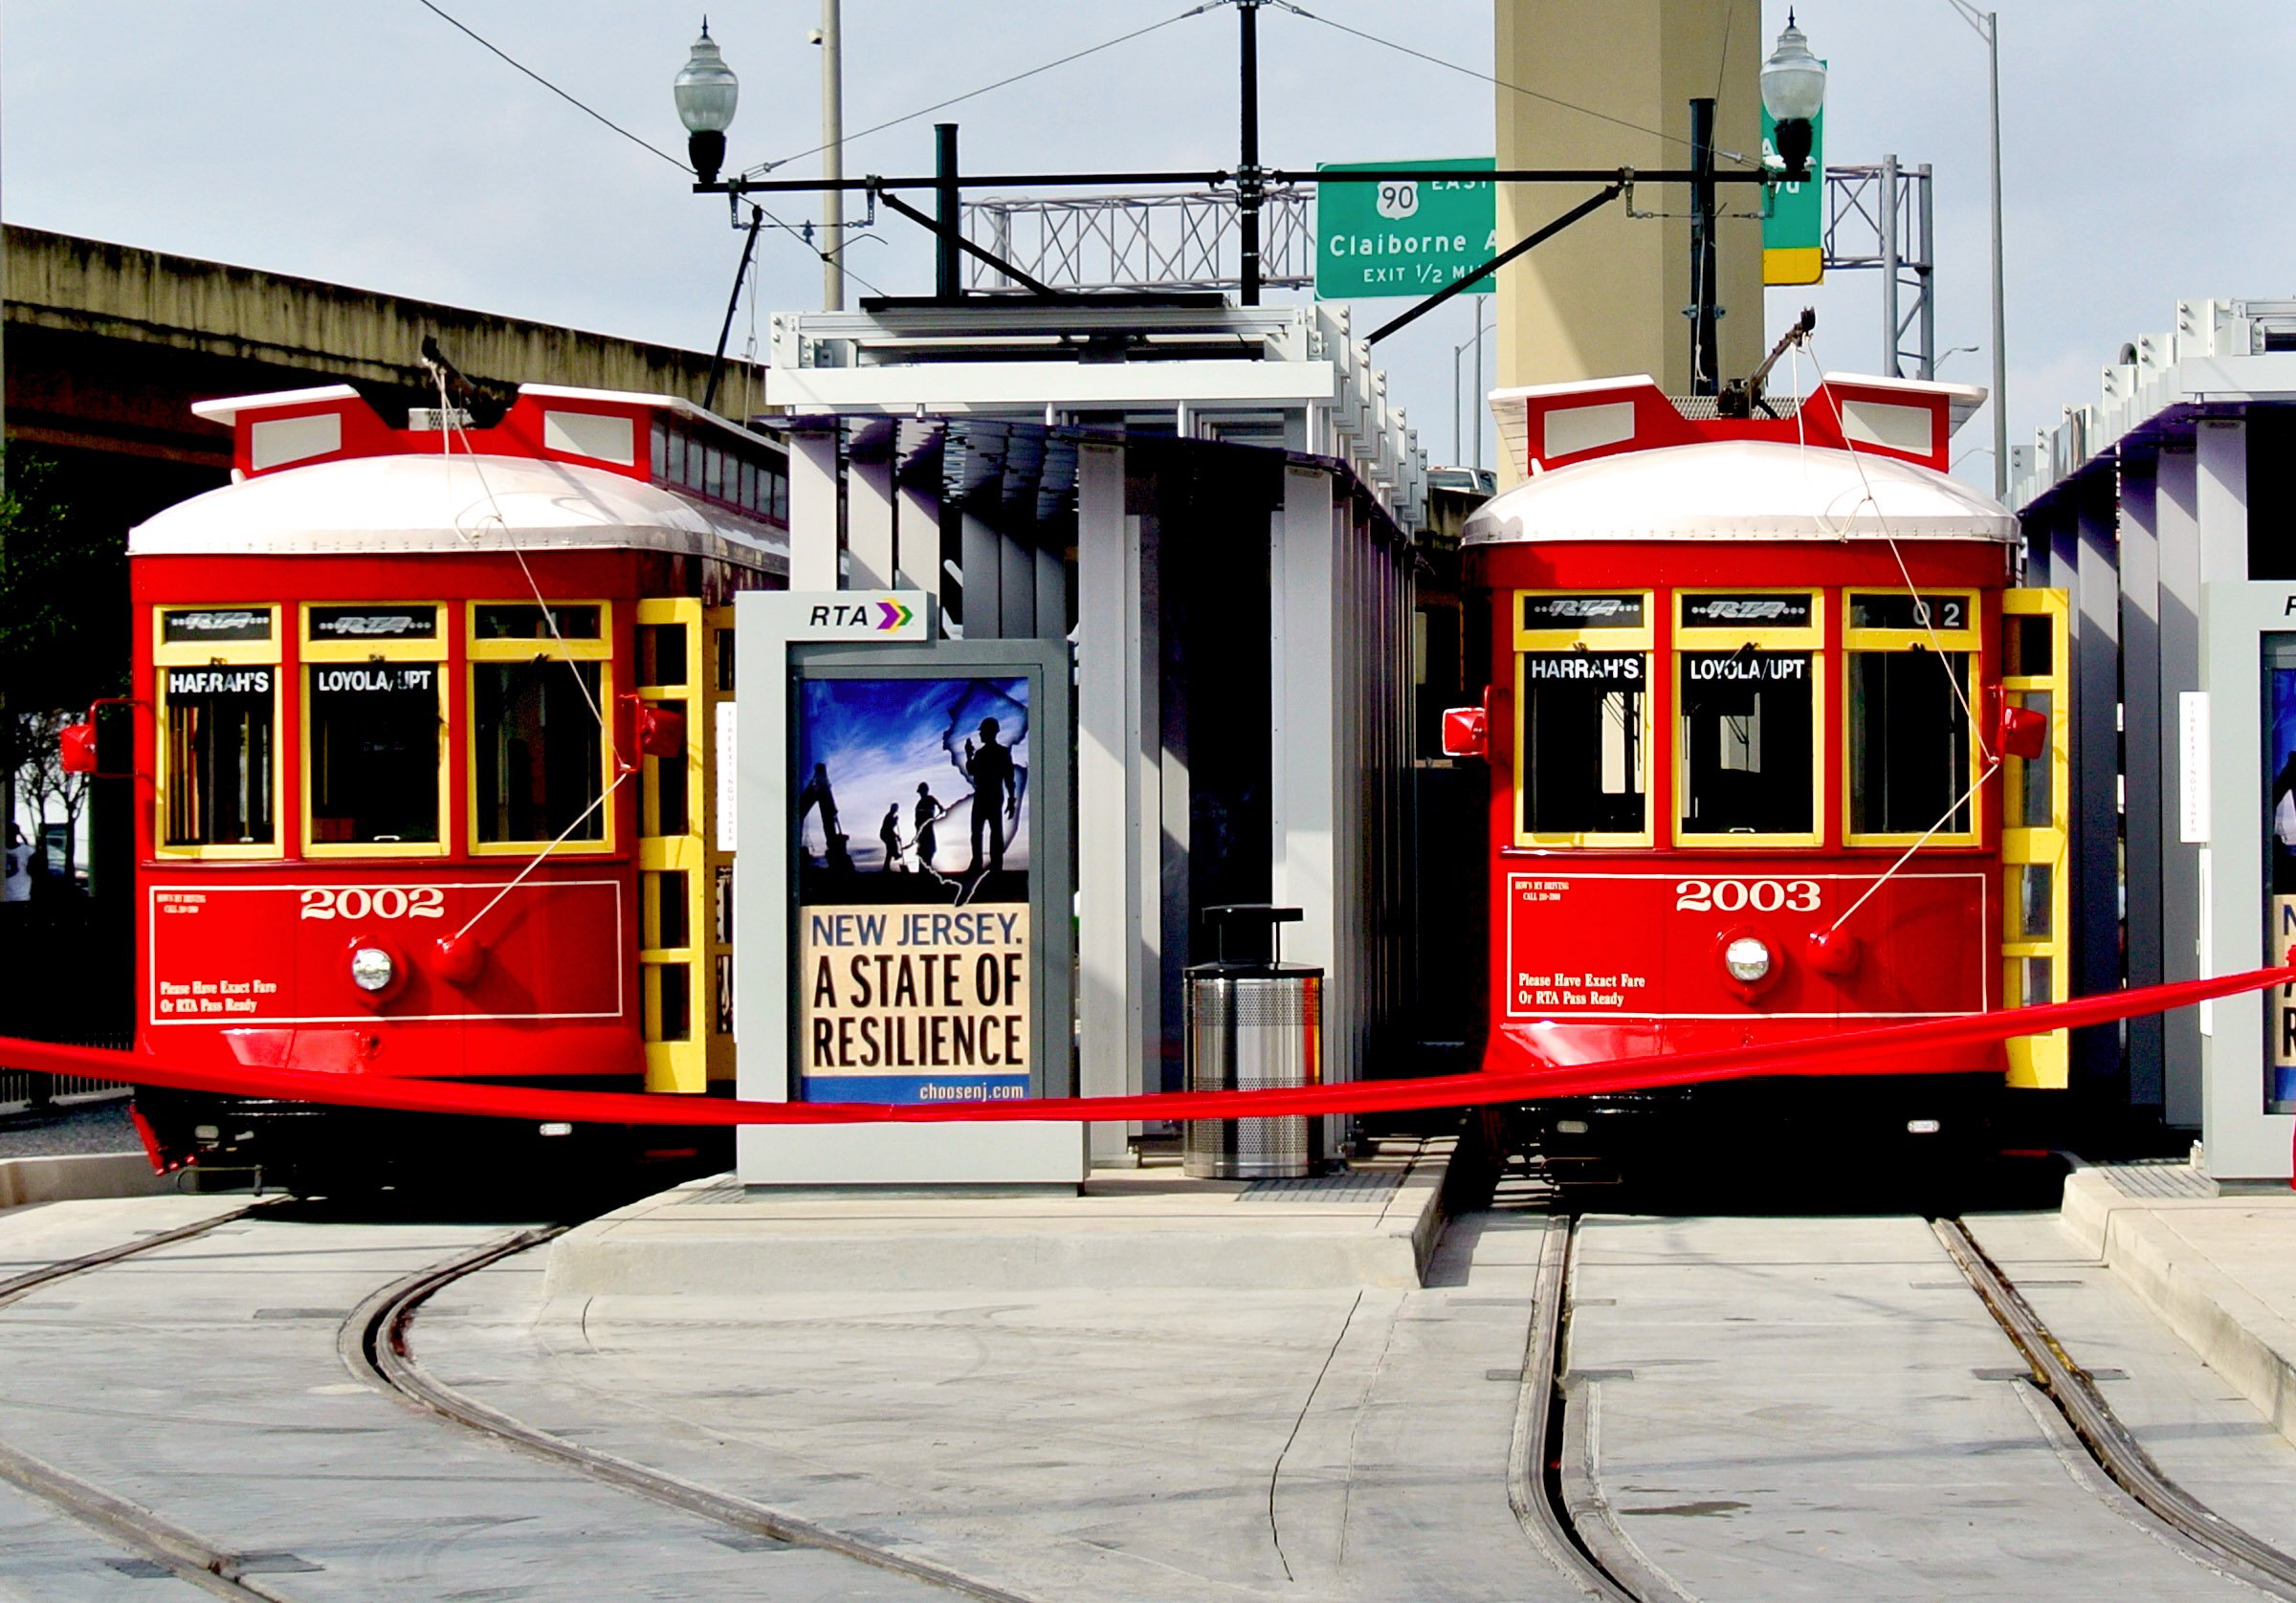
x: 1607, y: 297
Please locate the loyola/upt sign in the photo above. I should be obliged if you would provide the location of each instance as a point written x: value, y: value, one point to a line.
x: 1404, y: 236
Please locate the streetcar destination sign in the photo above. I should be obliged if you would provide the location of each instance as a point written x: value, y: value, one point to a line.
x: 1404, y: 236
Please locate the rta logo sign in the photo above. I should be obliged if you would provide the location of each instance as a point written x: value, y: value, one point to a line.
x: 879, y: 617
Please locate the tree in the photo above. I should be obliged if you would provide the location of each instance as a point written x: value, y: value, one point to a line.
x: 63, y: 619
x: 42, y: 777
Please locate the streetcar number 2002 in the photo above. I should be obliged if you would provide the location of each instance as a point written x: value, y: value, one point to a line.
x: 388, y: 902
x: 1735, y: 895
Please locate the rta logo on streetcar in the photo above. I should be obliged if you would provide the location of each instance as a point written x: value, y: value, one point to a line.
x: 388, y: 901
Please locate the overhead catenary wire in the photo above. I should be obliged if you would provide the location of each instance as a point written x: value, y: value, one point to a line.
x: 987, y: 88
x: 800, y: 235
x: 1502, y: 83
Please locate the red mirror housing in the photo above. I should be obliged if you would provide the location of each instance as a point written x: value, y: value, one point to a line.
x: 2024, y: 733
x: 75, y: 748
x: 661, y: 732
x: 1466, y: 731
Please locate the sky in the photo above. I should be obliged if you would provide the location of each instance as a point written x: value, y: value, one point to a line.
x: 371, y: 143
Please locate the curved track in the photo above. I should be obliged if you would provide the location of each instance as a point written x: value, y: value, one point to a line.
x: 375, y: 1347
x: 1549, y: 1480
x: 178, y: 1552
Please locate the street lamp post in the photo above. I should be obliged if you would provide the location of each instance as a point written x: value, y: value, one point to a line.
x: 706, y: 92
x: 1988, y: 26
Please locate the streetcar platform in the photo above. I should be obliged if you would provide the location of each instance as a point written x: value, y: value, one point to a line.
x: 1373, y: 1224
x: 2215, y: 1267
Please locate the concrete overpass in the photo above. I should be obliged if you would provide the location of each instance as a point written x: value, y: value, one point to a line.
x: 107, y: 346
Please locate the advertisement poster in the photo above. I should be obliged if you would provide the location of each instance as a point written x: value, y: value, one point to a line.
x: 911, y: 806
x: 2280, y: 824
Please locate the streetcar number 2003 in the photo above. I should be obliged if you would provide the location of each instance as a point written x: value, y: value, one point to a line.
x: 388, y: 902
x: 1735, y: 895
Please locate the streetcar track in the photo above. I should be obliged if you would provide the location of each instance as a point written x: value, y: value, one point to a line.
x: 183, y: 1553
x: 2187, y: 1522
x: 374, y: 1344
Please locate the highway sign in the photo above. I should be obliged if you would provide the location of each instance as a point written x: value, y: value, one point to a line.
x: 1404, y: 236
x: 1794, y: 233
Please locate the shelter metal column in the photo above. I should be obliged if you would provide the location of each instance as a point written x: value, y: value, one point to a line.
x: 868, y: 514
x: 983, y: 577
x: 1108, y: 803
x: 2096, y: 765
x: 916, y: 533
x: 1305, y: 559
x: 813, y: 509
x: 2221, y: 518
x: 2177, y: 528
x: 2150, y: 746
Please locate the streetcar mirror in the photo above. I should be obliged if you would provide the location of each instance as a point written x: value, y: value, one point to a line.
x: 75, y: 748
x: 661, y: 732
x: 2024, y: 733
x: 1466, y: 731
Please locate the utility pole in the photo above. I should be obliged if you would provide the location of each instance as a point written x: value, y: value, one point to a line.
x: 2000, y: 355
x: 1705, y: 361
x: 1249, y: 187
x: 832, y: 161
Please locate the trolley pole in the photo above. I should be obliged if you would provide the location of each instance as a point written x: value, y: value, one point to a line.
x: 2000, y: 357
x: 1249, y: 182
x: 1705, y: 363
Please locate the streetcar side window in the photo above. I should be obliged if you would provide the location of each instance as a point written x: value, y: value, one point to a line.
x: 1908, y: 665
x: 1583, y: 747
x: 538, y: 762
x: 220, y: 755
x: 541, y: 690
x: 1909, y: 743
x: 219, y: 769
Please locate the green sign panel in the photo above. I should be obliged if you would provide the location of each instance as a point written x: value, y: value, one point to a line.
x: 1404, y: 236
x: 1794, y: 233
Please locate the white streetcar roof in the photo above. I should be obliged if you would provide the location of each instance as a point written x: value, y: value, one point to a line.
x: 439, y: 503
x: 1741, y: 490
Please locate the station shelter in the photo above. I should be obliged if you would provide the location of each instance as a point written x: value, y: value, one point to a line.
x: 2164, y: 508
x: 1217, y: 507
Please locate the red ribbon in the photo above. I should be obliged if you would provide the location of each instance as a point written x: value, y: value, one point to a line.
x: 1824, y: 1054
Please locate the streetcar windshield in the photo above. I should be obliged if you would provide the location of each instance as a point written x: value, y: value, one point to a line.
x: 537, y: 757
x: 219, y: 755
x: 374, y: 752
x: 1583, y: 743
x: 1747, y: 728
x: 1909, y: 742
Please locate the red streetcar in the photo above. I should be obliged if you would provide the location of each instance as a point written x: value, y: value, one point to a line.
x: 1775, y: 747
x: 422, y: 740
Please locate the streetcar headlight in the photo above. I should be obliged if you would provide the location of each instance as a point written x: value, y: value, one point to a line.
x: 1747, y: 959
x: 371, y: 968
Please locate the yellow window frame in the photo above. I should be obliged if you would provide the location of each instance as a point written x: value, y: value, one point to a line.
x: 600, y: 650
x: 215, y: 653
x: 1639, y: 637
x: 1810, y: 638
x: 434, y: 651
x: 2038, y: 1062
x: 1966, y: 640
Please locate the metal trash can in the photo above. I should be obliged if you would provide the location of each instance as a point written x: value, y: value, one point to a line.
x: 1254, y: 1024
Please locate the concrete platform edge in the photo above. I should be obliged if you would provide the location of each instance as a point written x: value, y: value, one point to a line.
x: 77, y: 1178
x: 645, y: 1250
x: 2234, y: 1333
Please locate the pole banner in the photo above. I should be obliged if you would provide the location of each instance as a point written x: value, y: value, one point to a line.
x: 1824, y: 1054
